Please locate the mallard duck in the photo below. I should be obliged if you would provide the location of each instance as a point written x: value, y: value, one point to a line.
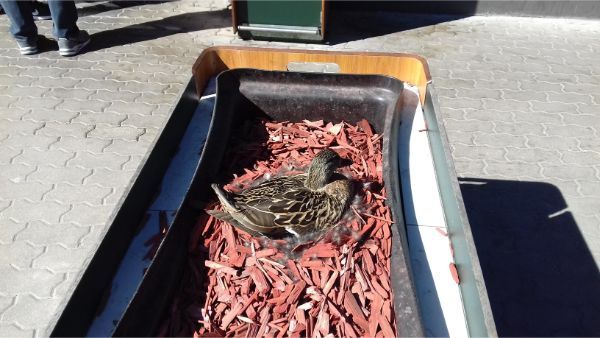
x: 297, y: 204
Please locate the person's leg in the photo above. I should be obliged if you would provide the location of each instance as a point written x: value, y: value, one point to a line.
x: 22, y: 27
x: 40, y: 10
x: 64, y: 17
x: 70, y: 39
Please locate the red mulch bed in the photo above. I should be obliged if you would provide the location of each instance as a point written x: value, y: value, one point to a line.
x: 334, y: 285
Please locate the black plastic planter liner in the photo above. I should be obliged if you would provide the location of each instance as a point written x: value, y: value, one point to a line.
x: 282, y: 96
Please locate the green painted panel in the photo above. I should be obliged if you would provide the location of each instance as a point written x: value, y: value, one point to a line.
x: 288, y: 13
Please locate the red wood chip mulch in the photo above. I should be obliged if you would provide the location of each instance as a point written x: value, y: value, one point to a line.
x: 337, y: 285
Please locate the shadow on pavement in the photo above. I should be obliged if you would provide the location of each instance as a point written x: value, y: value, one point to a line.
x: 106, y: 6
x: 350, y: 21
x: 182, y: 23
x: 540, y: 276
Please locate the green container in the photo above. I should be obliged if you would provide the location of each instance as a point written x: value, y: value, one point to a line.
x: 288, y: 20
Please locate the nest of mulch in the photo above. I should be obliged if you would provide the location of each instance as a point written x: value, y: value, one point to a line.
x: 332, y: 284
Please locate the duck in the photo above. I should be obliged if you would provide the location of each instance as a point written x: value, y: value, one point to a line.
x: 297, y: 205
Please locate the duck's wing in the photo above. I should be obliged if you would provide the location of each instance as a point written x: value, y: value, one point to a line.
x: 298, y: 209
x: 274, y: 186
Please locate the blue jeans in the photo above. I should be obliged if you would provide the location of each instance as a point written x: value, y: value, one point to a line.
x: 22, y: 27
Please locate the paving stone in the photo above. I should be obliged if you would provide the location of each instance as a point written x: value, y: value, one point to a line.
x: 30, y: 311
x: 505, y: 105
x: 589, y: 188
x: 570, y: 97
x: 109, y: 178
x: 31, y: 91
x: 570, y: 130
x: 39, y: 142
x: 50, y: 115
x: 469, y: 125
x: 513, y: 169
x: 582, y: 157
x: 500, y: 140
x: 86, y: 159
x: 539, y: 86
x: 32, y: 156
x: 78, y: 73
x: 20, y: 127
x: 533, y: 154
x: 8, y: 154
x: 55, y: 175
x: 95, y: 118
x: 462, y: 151
x: 552, y: 142
x: 14, y: 173
x: 18, y: 254
x: 74, y: 144
x: 538, y: 117
x: 587, y: 108
x: 133, y: 163
x: 489, y: 115
x: 9, y: 100
x: 63, y: 289
x: 32, y: 191
x: 554, y: 107
x: 109, y: 132
x: 57, y: 129
x: 124, y: 147
x: 22, y: 211
x: 522, y: 128
x: 66, y: 193
x: 35, y: 102
x: 591, y: 143
x: 86, y: 215
x: 79, y: 105
x: 456, y: 137
x: 68, y: 93
x: 39, y: 282
x: 10, y: 229
x: 480, y: 92
x: 141, y: 121
x: 138, y: 87
x: 92, y: 84
x: 13, y: 113
x: 585, y: 205
x: 568, y: 172
x: 53, y: 82
x: 112, y: 96
x: 469, y: 168
x: 42, y: 234
x: 129, y: 108
x: 460, y: 103
x: 57, y: 258
x: 526, y: 96
x: 11, y: 330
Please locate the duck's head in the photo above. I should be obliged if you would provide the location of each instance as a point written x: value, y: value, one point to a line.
x: 322, y: 167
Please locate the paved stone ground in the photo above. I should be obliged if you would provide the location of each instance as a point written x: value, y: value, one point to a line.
x: 520, y: 99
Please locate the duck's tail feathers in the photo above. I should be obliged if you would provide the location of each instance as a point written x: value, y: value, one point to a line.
x: 223, y: 197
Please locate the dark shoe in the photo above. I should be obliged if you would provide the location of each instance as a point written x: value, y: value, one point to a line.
x: 73, y: 45
x: 40, y: 11
x: 28, y: 47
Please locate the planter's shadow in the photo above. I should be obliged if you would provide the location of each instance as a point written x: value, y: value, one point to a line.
x: 540, y: 275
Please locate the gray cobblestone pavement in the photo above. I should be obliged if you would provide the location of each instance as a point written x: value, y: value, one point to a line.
x: 520, y: 99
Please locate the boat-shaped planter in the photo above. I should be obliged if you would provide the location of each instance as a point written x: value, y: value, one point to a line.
x: 256, y: 82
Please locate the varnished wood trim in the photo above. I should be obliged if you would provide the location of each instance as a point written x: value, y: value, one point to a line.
x: 409, y: 68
